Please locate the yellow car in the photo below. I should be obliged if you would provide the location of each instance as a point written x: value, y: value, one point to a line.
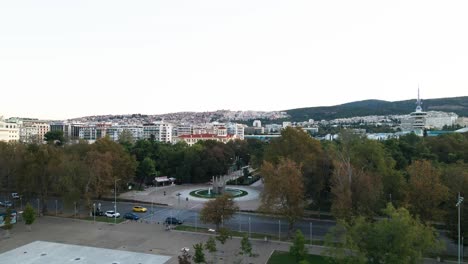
x: 139, y: 209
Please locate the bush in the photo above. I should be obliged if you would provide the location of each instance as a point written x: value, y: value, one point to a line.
x: 29, y: 215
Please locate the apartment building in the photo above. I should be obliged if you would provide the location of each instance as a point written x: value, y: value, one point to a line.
x: 8, y: 131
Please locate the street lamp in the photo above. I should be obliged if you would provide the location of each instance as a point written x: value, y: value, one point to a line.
x: 115, y: 200
x: 459, y: 202
x: 94, y: 212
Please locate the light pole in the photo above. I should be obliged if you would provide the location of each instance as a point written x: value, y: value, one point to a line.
x: 115, y: 200
x: 459, y: 202
x: 94, y: 212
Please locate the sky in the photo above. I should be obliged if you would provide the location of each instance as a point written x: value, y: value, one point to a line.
x: 65, y: 59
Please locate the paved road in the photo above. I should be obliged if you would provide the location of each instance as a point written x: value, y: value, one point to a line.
x: 189, y: 214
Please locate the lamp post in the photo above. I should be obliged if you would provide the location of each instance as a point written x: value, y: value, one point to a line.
x: 94, y: 212
x: 459, y: 202
x: 115, y: 200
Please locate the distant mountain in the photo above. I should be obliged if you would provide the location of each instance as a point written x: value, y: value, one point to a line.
x: 458, y: 105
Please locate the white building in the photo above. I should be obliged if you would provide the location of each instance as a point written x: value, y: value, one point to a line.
x: 160, y: 131
x: 8, y: 131
x: 257, y: 123
x: 236, y: 129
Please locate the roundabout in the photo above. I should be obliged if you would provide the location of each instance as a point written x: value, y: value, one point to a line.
x: 205, y: 194
x: 208, y: 194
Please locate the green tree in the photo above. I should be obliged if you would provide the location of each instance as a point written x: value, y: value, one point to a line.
x: 210, y: 245
x: 54, y: 137
x: 29, y: 215
x: 297, y: 249
x: 399, y: 238
x: 220, y: 209
x: 223, y: 235
x: 246, y: 247
x: 199, y: 256
x: 283, y: 190
x: 126, y: 138
x: 146, y: 169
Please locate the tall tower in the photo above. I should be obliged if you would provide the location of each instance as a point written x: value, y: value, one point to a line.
x: 418, y: 118
x: 419, y: 103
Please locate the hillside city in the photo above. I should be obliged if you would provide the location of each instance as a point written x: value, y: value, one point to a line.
x: 225, y: 125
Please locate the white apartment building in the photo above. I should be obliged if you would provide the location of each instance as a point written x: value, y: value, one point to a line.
x: 236, y: 129
x: 160, y: 130
x: 8, y: 131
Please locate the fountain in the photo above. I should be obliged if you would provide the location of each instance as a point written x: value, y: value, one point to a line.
x: 218, y: 188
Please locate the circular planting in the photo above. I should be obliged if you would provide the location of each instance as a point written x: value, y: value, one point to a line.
x: 204, y: 193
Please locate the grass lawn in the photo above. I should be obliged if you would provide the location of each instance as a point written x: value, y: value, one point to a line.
x: 280, y: 257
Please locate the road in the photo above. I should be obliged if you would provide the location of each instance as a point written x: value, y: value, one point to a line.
x: 243, y: 222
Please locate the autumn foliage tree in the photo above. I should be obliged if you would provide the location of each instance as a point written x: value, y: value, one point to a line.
x: 283, y: 190
x: 298, y: 146
x: 427, y: 193
x: 220, y: 209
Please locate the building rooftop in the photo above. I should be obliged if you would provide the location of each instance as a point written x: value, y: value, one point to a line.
x: 41, y: 252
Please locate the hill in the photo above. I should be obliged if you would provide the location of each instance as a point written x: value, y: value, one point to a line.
x: 458, y: 105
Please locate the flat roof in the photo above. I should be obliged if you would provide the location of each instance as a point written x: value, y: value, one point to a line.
x: 41, y: 252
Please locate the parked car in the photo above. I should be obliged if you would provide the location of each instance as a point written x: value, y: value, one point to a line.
x: 6, y: 203
x: 172, y: 221
x: 15, y: 196
x: 131, y: 216
x: 139, y: 209
x: 97, y: 213
x: 112, y: 214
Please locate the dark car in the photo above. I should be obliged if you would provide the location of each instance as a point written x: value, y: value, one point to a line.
x: 97, y: 213
x: 131, y: 216
x: 172, y: 221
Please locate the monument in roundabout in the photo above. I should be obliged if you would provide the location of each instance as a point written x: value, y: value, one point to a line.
x: 218, y: 188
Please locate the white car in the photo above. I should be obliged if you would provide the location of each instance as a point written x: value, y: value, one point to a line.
x: 112, y: 214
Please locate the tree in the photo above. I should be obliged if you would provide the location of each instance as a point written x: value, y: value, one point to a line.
x: 298, y: 146
x: 427, y: 193
x: 29, y: 215
x: 223, y: 235
x: 399, y: 238
x: 146, y: 169
x: 298, y: 249
x: 126, y: 138
x: 54, y: 137
x: 283, y: 190
x: 246, y: 247
x: 210, y: 245
x: 199, y: 256
x: 7, y: 222
x: 220, y: 209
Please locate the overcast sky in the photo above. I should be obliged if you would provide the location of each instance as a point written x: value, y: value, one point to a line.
x: 64, y: 59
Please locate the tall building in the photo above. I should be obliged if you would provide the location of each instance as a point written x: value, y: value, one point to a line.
x: 159, y: 131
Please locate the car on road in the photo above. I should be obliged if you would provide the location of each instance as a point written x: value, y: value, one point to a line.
x: 6, y: 203
x: 172, y: 221
x: 15, y: 196
x: 139, y: 209
x: 112, y: 214
x: 97, y: 213
x: 131, y: 216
